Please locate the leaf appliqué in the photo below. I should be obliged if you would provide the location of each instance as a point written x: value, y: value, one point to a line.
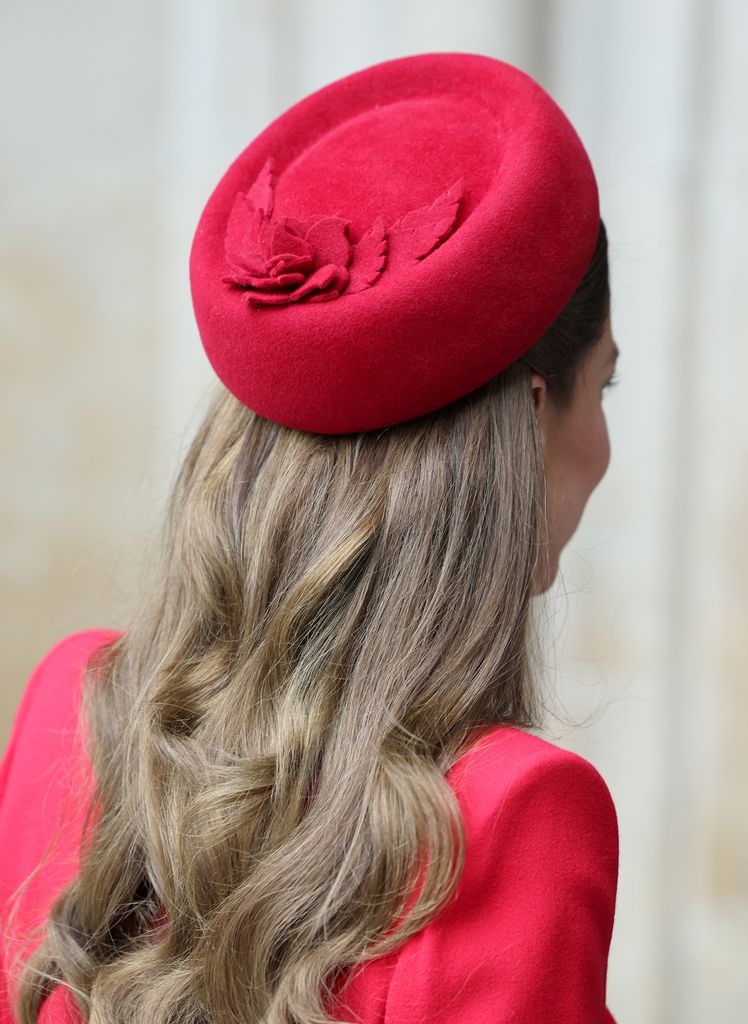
x: 290, y: 260
x: 261, y: 195
x: 419, y: 232
x: 369, y: 257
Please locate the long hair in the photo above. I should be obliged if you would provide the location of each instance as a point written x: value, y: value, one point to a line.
x: 327, y: 621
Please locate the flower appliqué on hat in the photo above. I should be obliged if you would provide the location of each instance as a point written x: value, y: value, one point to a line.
x: 277, y: 262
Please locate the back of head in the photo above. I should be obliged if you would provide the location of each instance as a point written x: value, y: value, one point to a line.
x: 330, y: 617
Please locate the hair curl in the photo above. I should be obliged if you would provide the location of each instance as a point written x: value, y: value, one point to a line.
x: 327, y: 621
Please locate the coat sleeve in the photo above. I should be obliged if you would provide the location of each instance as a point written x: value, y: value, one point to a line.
x: 526, y: 937
x: 40, y: 803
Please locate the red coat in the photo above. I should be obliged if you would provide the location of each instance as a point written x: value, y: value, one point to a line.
x: 525, y: 940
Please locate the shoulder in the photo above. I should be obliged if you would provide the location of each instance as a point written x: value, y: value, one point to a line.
x: 528, y: 797
x: 532, y: 917
x: 47, y: 710
x: 65, y: 658
x: 42, y: 796
x: 72, y: 651
x: 506, y: 759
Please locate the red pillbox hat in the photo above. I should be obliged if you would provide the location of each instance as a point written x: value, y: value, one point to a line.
x: 391, y: 242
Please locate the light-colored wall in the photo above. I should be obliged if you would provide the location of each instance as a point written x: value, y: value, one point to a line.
x: 119, y: 119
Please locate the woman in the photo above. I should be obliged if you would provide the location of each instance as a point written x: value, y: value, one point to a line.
x: 301, y: 779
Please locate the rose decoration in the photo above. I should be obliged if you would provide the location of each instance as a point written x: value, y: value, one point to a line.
x: 288, y: 260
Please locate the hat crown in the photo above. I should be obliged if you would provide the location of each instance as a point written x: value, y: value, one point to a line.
x: 443, y: 201
x: 393, y: 159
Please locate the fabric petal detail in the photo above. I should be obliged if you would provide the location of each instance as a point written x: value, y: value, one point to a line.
x: 269, y: 298
x: 276, y: 283
x: 299, y: 227
x: 335, y: 287
x: 242, y: 278
x: 340, y: 280
x: 328, y: 241
x: 321, y: 278
x: 287, y: 262
x: 284, y: 243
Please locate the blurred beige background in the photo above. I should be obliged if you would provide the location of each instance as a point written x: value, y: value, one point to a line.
x: 118, y: 120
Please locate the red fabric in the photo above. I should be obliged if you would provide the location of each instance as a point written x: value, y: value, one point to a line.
x: 525, y: 940
x: 391, y: 242
x: 40, y: 790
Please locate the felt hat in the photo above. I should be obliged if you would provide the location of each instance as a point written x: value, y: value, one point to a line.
x: 391, y: 242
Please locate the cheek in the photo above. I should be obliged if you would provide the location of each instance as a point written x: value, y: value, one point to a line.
x: 589, y: 456
x: 591, y: 452
x: 579, y: 463
x: 602, y: 447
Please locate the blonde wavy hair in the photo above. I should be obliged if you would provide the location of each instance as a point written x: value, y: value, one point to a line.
x: 327, y: 621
